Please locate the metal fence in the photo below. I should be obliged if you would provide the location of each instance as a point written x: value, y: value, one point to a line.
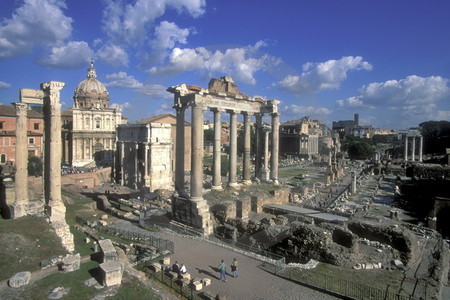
x: 343, y: 287
x: 143, y: 237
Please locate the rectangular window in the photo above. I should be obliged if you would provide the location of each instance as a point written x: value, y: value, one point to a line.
x: 1, y: 125
x: 30, y: 140
x: 36, y: 126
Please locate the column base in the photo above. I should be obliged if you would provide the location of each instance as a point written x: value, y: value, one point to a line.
x: 247, y: 182
x: 233, y: 184
x: 196, y: 199
x: 217, y: 188
x: 32, y: 208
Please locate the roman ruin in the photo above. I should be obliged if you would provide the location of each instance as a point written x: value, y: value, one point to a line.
x: 222, y: 95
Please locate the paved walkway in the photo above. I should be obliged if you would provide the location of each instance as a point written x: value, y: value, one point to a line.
x: 202, y: 260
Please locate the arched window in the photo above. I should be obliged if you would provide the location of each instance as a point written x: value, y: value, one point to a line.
x: 2, y: 158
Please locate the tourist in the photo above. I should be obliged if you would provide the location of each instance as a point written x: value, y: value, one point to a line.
x: 176, y: 267
x: 183, y: 269
x: 234, y: 267
x: 223, y: 271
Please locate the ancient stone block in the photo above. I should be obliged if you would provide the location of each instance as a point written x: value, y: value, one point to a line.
x: 108, y: 251
x: 155, y: 267
x: 243, y: 207
x: 196, y: 284
x: 186, y: 275
x: 166, y: 260
x: 172, y: 275
x: 257, y: 204
x: 19, y: 279
x: 111, y: 272
x: 206, y: 281
x: 70, y: 263
x: 183, y: 282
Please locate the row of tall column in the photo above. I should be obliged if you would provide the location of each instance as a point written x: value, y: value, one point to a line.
x: 197, y: 149
x: 413, y: 148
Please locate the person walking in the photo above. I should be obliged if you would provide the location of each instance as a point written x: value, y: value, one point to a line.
x: 223, y: 271
x: 234, y: 268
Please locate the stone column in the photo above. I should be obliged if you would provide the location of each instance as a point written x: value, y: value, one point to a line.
x: 405, y: 156
x: 413, y: 149
x: 247, y: 144
x: 179, y: 151
x: 217, y: 154
x: 122, y: 158
x: 233, y: 148
x: 353, y: 186
x: 265, y: 171
x: 146, y: 164
x: 275, y: 147
x: 19, y: 209
x: 197, y: 153
x: 420, y: 148
x: 136, y: 165
x: 259, y: 146
x: 56, y: 210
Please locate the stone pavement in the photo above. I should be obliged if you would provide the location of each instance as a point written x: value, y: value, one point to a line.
x: 202, y: 260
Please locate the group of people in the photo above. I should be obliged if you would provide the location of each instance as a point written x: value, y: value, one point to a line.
x: 179, y: 269
x: 223, y: 269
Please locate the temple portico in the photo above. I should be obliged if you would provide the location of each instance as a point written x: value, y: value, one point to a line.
x: 222, y: 95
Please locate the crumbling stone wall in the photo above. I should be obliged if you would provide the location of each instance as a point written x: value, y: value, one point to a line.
x: 398, y: 238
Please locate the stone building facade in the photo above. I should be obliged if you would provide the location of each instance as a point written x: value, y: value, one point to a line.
x: 89, y: 128
x: 172, y: 120
x: 144, y: 156
x: 34, y: 133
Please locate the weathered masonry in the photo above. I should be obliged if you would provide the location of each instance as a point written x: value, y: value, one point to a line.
x: 222, y: 95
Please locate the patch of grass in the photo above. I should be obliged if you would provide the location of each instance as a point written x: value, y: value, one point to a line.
x: 379, y: 278
x: 80, y: 245
x: 286, y: 173
x: 73, y: 280
x: 135, y: 290
x: 25, y: 242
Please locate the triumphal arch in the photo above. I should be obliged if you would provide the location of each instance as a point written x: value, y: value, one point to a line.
x: 221, y: 96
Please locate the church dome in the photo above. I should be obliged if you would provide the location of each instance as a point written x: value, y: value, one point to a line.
x: 91, y: 93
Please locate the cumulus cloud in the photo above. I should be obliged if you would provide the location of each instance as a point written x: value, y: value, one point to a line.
x: 131, y: 22
x: 241, y: 63
x: 30, y: 27
x: 122, y: 106
x: 72, y: 55
x: 113, y: 55
x: 411, y: 93
x: 324, y: 75
x: 298, y: 111
x: 122, y: 80
x: 167, y: 35
x: 4, y: 85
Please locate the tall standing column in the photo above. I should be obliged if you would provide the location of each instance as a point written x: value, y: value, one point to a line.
x: 217, y: 155
x: 420, y: 148
x: 259, y: 144
x: 275, y: 147
x: 247, y: 143
x: 136, y: 165
x: 21, y: 178
x: 405, y: 156
x: 146, y: 164
x: 52, y: 159
x: 122, y: 163
x: 233, y: 149
x: 197, y: 153
x: 265, y: 172
x: 179, y: 151
x: 413, y: 149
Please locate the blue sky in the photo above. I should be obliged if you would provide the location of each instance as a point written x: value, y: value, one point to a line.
x: 389, y: 61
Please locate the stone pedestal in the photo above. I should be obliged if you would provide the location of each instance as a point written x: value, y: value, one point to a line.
x: 111, y: 272
x: 108, y: 251
x: 70, y: 263
x: 19, y: 279
x: 194, y: 213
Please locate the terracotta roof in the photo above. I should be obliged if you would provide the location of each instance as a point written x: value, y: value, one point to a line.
x: 10, y: 111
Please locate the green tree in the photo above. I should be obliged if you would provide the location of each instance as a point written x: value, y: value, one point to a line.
x: 360, y: 150
x: 35, y: 166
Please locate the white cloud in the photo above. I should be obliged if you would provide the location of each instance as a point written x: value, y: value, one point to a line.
x: 70, y: 56
x: 4, y: 85
x: 325, y: 75
x: 131, y: 22
x: 122, y: 106
x: 298, y: 111
x: 122, y: 80
x: 35, y: 23
x: 240, y: 63
x: 113, y: 55
x: 167, y: 35
x: 155, y: 91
